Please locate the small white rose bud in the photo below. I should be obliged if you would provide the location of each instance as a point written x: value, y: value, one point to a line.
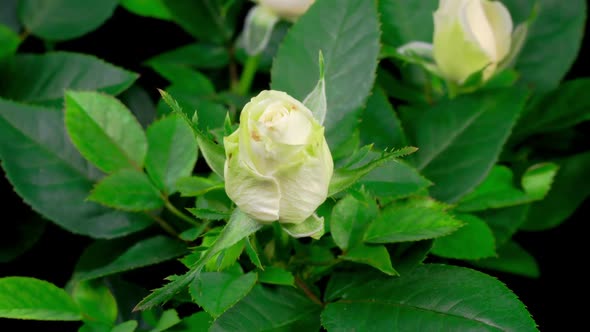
x: 278, y: 165
x: 470, y: 35
x: 287, y: 9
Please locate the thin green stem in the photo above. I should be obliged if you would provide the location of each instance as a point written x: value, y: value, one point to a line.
x: 311, y: 295
x: 179, y: 213
x: 248, y: 74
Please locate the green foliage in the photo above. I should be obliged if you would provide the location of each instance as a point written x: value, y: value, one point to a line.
x: 218, y: 291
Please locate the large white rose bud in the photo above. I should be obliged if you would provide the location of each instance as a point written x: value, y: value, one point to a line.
x: 278, y: 165
x: 470, y: 35
x: 287, y: 9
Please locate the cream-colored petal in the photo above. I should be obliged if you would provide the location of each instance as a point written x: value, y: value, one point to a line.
x: 289, y: 9
x: 501, y: 23
x: 478, y: 28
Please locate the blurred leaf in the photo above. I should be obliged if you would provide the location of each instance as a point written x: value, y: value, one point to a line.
x: 276, y: 276
x: 474, y: 240
x: 372, y: 255
x: 172, y: 152
x: 512, y: 258
x: 42, y: 78
x: 103, y: 258
x: 198, y: 55
x: 407, y: 21
x: 216, y: 292
x: 457, y: 148
x: 29, y: 298
x: 104, y: 131
x: 209, y: 214
x: 408, y: 255
x: 149, y: 8
x: 407, y: 222
x: 57, y: 179
x: 9, y: 41
x: 505, y: 222
x: 9, y: 15
x: 564, y: 197
x: 95, y: 301
x: 128, y: 326
x: 140, y: 103
x: 168, y: 319
x: 350, y: 45
x: 200, y: 321
x: 431, y: 297
x: 185, y: 79
x: 64, y: 19
x: 380, y: 124
x: 17, y: 238
x: 193, y: 186
x: 265, y: 308
x: 128, y: 190
x: 556, y: 27
x: 350, y: 218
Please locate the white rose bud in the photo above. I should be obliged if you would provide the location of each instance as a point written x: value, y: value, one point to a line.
x: 287, y: 9
x: 470, y: 35
x: 278, y: 165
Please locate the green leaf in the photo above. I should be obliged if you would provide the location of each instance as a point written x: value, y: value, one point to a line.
x: 556, y: 26
x: 216, y: 292
x: 8, y: 15
x: 431, y: 298
x: 198, y: 55
x: 128, y: 326
x: 172, y: 152
x: 498, y: 190
x: 407, y: 21
x: 96, y: 301
x: 350, y: 46
x: 276, y: 276
x: 238, y: 227
x: 472, y: 241
x: 406, y: 222
x: 48, y: 75
x: 512, y: 258
x: 104, y: 258
x: 18, y: 237
x: 457, y: 148
x: 265, y: 309
x: 104, y: 131
x: 225, y: 258
x: 564, y: 197
x: 200, y: 321
x: 380, y: 125
x: 313, y: 227
x: 168, y: 319
x: 128, y: 190
x: 505, y: 222
x: 373, y: 255
x: 140, y: 103
x: 185, y: 79
x: 64, y: 19
x: 408, y: 255
x: 57, y: 179
x: 208, y: 214
x: 394, y: 180
x: 29, y: 298
x: 204, y: 20
x: 149, y: 8
x: 252, y: 252
x: 350, y: 218
x: 9, y: 41
x: 342, y: 281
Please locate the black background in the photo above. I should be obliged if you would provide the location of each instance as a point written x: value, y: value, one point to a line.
x: 557, y: 300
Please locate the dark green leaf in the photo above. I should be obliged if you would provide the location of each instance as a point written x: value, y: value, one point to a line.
x: 172, y: 152
x: 96, y: 301
x: 104, y: 131
x: 29, y: 298
x: 430, y: 298
x: 64, y: 19
x: 57, y: 179
x: 140, y: 104
x: 394, y: 180
x: 474, y: 240
x: 9, y: 41
x: 149, y: 8
x: 198, y: 55
x: 217, y: 291
x: 373, y: 255
x: 9, y: 15
x: 380, y: 124
x: 264, y: 309
x: 276, y: 276
x: 350, y: 45
x: 342, y: 281
x: 48, y: 75
x: 406, y: 21
x: 252, y: 252
x: 350, y: 218
x: 408, y: 255
x: 505, y: 222
x: 512, y: 258
x: 457, y: 147
x: 19, y: 236
x: 104, y: 258
x: 128, y: 190
x: 564, y: 197
x: 184, y: 79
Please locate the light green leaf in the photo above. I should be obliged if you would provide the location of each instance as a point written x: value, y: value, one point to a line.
x: 252, y: 252
x: 350, y: 218
x: 149, y: 8
x: 104, y: 258
x: 380, y: 125
x: 406, y: 222
x: 128, y: 190
x: 407, y: 21
x: 350, y: 46
x: 505, y: 222
x: 276, y: 276
x: 564, y: 197
x: 185, y: 79
x: 474, y: 240
x: 168, y: 319
x: 264, y: 309
x: 194, y: 186
x: 512, y: 258
x: 373, y: 255
x: 48, y: 75
x: 457, y: 148
x: 312, y: 227
x: 96, y: 301
x: 200, y: 321
x: 198, y: 55
x: 430, y: 298
x: 64, y: 19
x: 316, y: 99
x: 128, y: 326
x: 9, y: 41
x: 29, y: 298
x: 57, y: 179
x: 208, y: 214
x: 104, y: 131
x: 172, y: 152
x: 216, y: 292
